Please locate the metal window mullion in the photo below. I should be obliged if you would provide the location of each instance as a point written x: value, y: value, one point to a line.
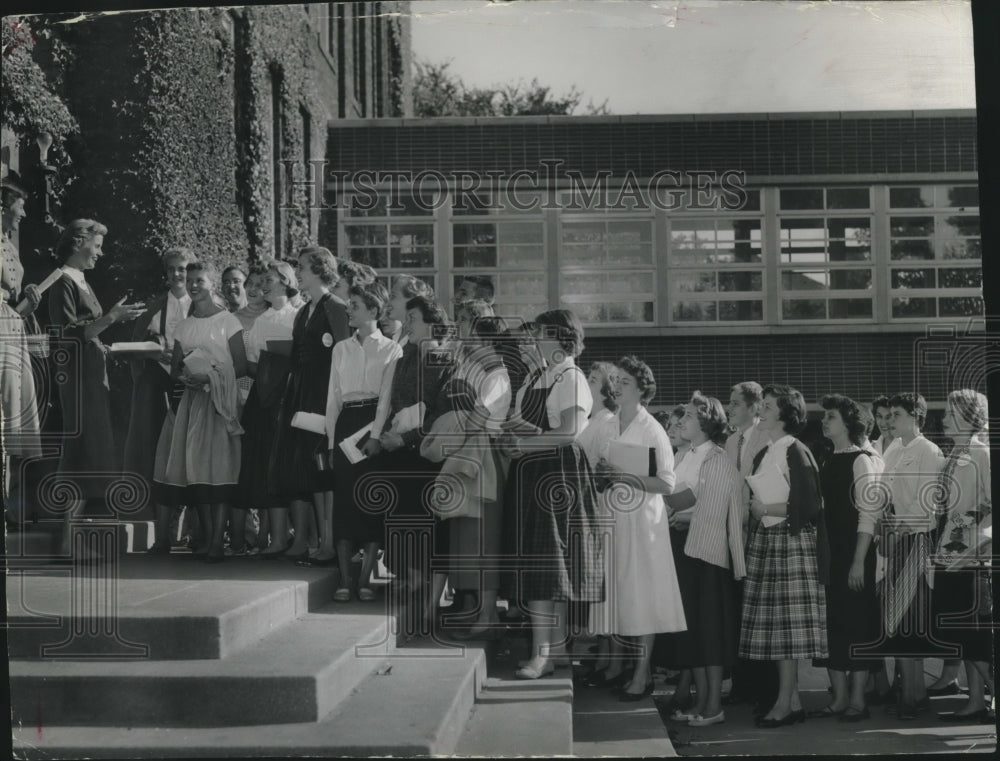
x: 771, y: 255
x: 551, y: 249
x: 881, y: 252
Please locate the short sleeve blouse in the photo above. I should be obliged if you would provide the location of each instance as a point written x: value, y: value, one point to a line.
x: 569, y: 390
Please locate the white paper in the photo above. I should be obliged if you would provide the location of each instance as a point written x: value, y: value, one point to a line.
x: 408, y: 418
x: 631, y: 458
x: 349, y: 446
x: 43, y: 286
x: 309, y: 421
x: 140, y: 346
x: 769, y: 486
x: 198, y: 363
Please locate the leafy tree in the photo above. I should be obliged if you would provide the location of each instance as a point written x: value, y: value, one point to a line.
x: 437, y: 91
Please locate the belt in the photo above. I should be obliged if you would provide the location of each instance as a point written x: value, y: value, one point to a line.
x: 360, y: 402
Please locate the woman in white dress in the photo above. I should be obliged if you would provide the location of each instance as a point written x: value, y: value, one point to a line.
x: 198, y: 455
x: 645, y: 596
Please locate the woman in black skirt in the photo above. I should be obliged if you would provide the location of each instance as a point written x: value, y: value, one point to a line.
x: 294, y: 474
x: 962, y: 596
x: 551, y: 496
x: 849, y: 517
x: 713, y: 549
x: 359, y: 374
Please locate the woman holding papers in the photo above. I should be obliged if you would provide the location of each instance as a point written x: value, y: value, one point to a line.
x: 198, y: 456
x: 359, y: 375
x: 962, y: 596
x: 298, y: 472
x: 260, y: 415
x: 551, y: 488
x: 784, y: 605
x: 88, y: 457
x: 713, y: 555
x: 850, y: 502
x: 638, y: 463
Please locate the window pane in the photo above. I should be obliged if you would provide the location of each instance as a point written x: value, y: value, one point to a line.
x: 694, y: 311
x: 630, y: 311
x: 373, y: 257
x: 740, y: 281
x: 583, y: 285
x: 631, y: 282
x: 911, y: 197
x: 848, y: 198
x: 752, y: 202
x: 512, y: 233
x: 911, y: 249
x: 971, y: 248
x: 850, y: 280
x: 742, y: 311
x: 583, y: 232
x: 804, y: 309
x: 805, y: 280
x: 802, y: 198
x: 475, y: 256
x: 412, y: 257
x: 365, y: 235
x: 694, y: 282
x: 587, y: 312
x: 846, y: 309
x: 411, y: 235
x: 803, y: 241
x: 523, y: 286
x: 959, y: 226
x: 629, y: 233
x: 693, y: 233
x: 738, y: 240
x: 965, y: 306
x: 514, y: 312
x: 913, y: 278
x: 911, y: 227
x: 521, y: 256
x: 474, y: 234
x: 582, y: 256
x: 961, y: 196
x: 966, y: 277
x: 630, y: 255
x: 921, y: 307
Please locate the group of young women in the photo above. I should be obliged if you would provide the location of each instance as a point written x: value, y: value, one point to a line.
x: 354, y: 416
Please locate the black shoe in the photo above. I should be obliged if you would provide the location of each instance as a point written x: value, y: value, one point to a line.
x: 949, y: 689
x: 978, y: 717
x: 631, y: 697
x: 786, y: 721
x: 600, y: 679
x: 849, y: 717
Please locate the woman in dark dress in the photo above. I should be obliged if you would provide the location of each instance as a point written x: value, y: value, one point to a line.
x: 294, y: 474
x: 88, y: 456
x: 849, y: 517
x: 557, y: 542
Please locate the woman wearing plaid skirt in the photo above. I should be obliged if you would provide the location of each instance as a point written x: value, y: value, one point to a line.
x: 784, y: 607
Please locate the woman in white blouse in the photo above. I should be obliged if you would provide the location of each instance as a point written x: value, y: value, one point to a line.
x: 911, y: 473
x: 638, y: 462
x: 359, y: 374
x: 263, y: 406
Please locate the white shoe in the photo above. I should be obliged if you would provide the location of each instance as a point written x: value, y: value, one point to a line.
x: 701, y: 721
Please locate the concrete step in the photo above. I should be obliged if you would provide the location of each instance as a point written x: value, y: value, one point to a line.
x: 521, y: 718
x: 416, y: 704
x: 163, y: 605
x: 298, y: 673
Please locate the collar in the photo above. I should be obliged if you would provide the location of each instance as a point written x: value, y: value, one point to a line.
x: 75, y: 275
x: 375, y: 335
x: 702, y: 447
x: 916, y: 438
x: 185, y: 299
x: 784, y: 442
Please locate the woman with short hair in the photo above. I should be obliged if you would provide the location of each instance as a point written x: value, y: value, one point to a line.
x: 784, y: 605
x: 849, y: 518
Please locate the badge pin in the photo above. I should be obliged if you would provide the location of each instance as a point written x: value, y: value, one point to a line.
x: 327, y: 340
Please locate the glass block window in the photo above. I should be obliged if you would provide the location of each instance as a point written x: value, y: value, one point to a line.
x: 393, y: 241
x: 607, y: 270
x: 716, y: 269
x: 935, y: 252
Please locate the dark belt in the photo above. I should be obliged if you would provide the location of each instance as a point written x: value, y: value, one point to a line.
x: 360, y: 403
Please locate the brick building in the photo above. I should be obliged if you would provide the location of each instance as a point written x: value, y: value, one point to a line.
x: 822, y: 251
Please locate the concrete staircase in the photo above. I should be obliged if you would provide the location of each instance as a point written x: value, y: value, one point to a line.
x: 248, y: 658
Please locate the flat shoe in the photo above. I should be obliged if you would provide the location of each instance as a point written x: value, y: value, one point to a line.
x: 679, y: 715
x: 856, y: 716
x: 342, y: 595
x: 365, y: 594
x: 949, y: 689
x: 535, y: 672
x: 826, y: 713
x: 635, y: 697
x: 705, y: 721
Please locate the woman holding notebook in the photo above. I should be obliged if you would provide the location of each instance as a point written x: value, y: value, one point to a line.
x: 784, y: 605
x: 637, y: 466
